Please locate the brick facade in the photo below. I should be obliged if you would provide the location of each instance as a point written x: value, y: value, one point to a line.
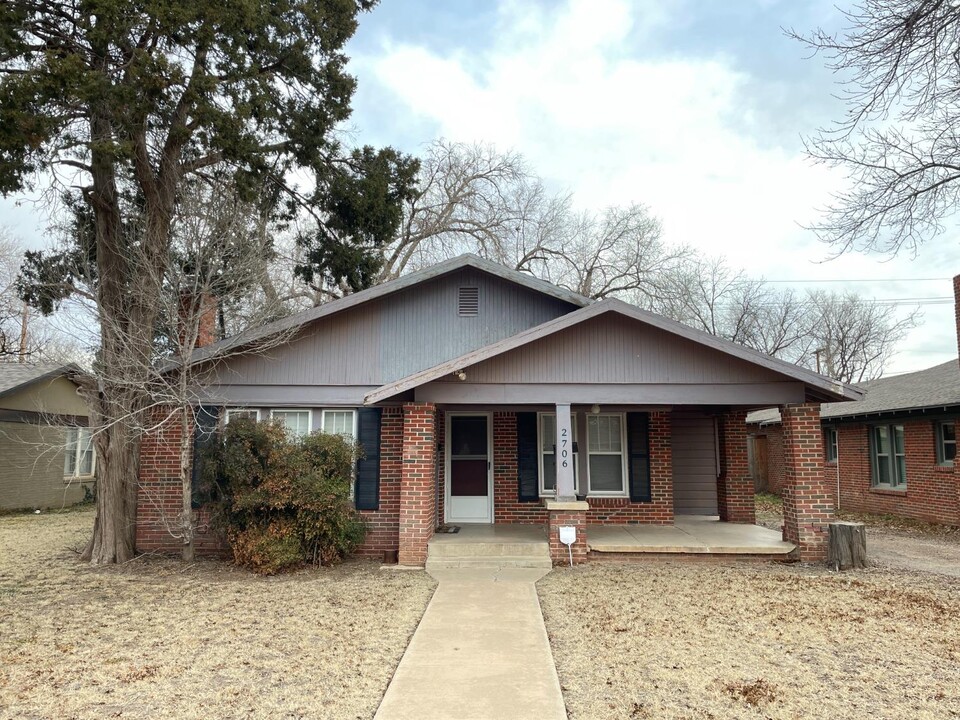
x: 807, y: 498
x: 160, y: 491
x: 418, y: 493
x: 383, y: 525
x: 735, y: 501
x: 507, y: 507
x: 774, y: 435
x: 932, y: 492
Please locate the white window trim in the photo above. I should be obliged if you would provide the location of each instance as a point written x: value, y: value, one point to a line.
x: 323, y: 418
x: 229, y: 411
x: 544, y: 493
x: 308, y: 411
x: 623, y: 460
x: 77, y: 454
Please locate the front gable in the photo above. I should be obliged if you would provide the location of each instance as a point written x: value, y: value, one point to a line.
x: 368, y: 344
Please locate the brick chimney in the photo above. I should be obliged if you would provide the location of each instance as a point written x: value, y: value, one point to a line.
x: 200, y: 308
x: 956, y: 306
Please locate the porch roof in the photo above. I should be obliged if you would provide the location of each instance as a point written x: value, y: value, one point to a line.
x: 815, y: 386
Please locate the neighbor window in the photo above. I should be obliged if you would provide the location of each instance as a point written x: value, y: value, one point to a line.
x: 242, y: 414
x: 946, y: 443
x: 297, y: 422
x: 605, y: 450
x: 887, y: 456
x: 830, y: 444
x: 79, y: 459
x: 548, y: 457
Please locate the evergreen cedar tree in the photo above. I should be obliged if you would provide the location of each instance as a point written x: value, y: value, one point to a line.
x: 129, y: 100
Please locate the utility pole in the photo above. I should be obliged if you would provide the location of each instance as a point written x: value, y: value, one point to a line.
x: 22, y: 357
x: 816, y: 354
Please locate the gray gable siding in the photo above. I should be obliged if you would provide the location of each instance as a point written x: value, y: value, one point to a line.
x: 616, y: 349
x: 389, y: 338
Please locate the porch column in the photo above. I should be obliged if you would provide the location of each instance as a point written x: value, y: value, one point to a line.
x: 563, y: 453
x: 735, y: 497
x: 418, y: 498
x: 807, y: 495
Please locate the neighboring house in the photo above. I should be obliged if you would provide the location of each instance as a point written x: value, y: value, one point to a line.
x: 892, y: 452
x: 461, y: 381
x: 46, y: 454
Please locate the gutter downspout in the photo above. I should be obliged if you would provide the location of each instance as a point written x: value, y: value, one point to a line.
x: 838, y: 470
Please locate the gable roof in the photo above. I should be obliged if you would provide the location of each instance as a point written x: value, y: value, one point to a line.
x: 823, y: 386
x: 934, y: 388
x: 14, y: 376
x: 460, y: 262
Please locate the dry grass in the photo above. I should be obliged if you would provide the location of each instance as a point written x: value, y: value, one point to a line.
x: 159, y: 639
x: 753, y: 641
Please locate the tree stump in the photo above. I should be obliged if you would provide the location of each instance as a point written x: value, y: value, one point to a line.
x: 848, y: 545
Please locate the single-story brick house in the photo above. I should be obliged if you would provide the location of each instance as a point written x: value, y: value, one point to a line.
x: 46, y: 452
x: 891, y: 453
x: 483, y: 395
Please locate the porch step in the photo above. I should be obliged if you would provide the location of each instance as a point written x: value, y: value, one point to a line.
x: 490, y: 546
x: 493, y: 561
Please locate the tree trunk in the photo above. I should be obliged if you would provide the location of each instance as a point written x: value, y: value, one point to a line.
x: 848, y: 545
x: 187, y: 524
x: 114, y: 530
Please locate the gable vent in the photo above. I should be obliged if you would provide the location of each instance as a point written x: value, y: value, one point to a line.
x: 468, y: 302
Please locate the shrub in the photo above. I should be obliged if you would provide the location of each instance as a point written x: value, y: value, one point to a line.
x: 282, y: 502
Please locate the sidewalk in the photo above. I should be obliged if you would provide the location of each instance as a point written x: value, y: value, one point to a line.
x: 480, y: 651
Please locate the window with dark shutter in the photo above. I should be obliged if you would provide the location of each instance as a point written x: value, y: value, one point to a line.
x: 468, y: 302
x: 528, y: 485
x: 367, y: 488
x: 638, y: 445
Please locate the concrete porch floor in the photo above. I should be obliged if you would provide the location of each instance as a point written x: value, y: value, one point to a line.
x: 693, y: 534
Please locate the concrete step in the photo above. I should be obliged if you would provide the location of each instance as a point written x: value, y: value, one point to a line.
x: 492, y: 561
x: 488, y: 549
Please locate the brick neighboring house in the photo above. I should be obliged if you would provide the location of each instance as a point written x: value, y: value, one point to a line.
x: 46, y: 451
x: 890, y: 453
x: 483, y: 395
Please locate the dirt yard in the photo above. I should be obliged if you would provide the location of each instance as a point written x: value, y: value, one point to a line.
x: 892, y: 542
x: 159, y: 639
x: 771, y: 641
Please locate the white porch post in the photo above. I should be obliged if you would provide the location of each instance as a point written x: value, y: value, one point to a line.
x: 564, y: 453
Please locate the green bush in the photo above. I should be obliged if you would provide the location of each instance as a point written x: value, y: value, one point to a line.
x: 281, y: 502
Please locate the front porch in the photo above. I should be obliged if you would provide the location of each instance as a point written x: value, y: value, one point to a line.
x: 517, y: 545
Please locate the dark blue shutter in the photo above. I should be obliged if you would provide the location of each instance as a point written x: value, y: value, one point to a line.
x: 367, y: 488
x: 528, y: 485
x: 206, y: 424
x: 638, y: 446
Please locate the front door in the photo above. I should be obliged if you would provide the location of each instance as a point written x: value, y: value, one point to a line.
x: 469, y: 486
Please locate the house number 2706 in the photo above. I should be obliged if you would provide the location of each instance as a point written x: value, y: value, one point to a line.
x: 564, y: 453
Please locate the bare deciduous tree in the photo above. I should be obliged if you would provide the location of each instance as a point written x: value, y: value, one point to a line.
x: 899, y: 140
x: 474, y: 199
x: 854, y: 336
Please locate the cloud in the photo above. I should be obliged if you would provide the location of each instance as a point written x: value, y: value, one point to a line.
x: 574, y: 88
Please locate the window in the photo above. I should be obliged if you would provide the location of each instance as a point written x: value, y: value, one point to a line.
x: 242, y: 414
x: 79, y: 459
x: 297, y: 422
x: 605, y: 455
x: 830, y: 444
x: 946, y: 443
x: 339, y: 422
x: 887, y: 456
x: 548, y: 458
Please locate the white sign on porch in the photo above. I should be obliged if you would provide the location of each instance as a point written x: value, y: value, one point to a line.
x: 564, y: 452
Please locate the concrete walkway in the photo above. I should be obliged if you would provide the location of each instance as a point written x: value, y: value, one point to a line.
x: 480, y: 651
